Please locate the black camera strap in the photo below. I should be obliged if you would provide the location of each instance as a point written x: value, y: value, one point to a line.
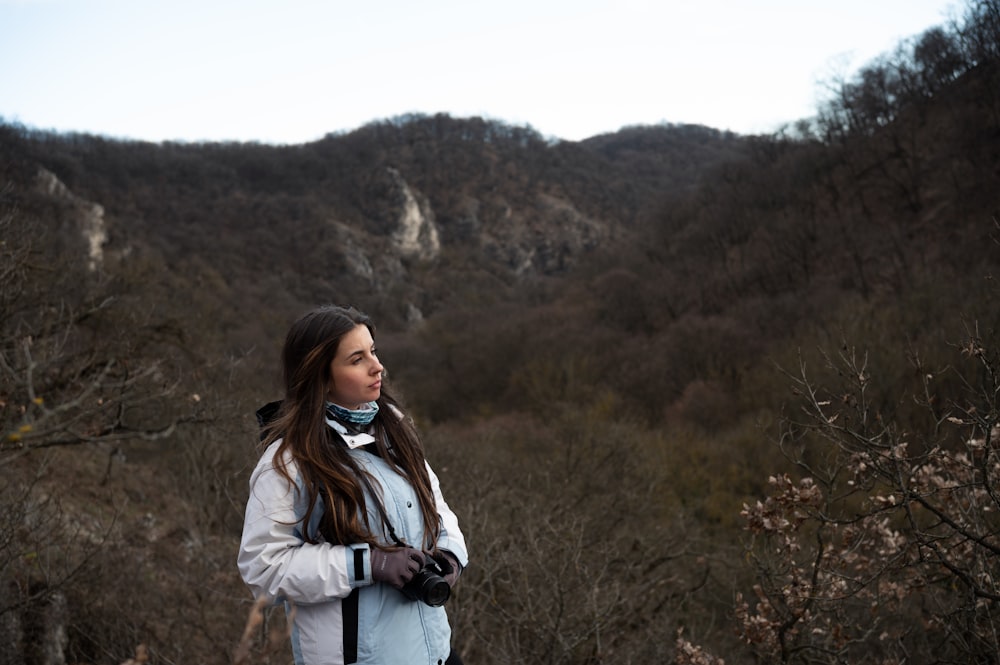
x: 442, y: 564
x: 375, y: 496
x: 381, y: 509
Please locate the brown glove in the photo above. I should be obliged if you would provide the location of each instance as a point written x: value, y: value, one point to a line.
x: 396, y: 567
x: 449, y: 566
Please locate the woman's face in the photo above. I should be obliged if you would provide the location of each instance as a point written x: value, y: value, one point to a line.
x: 355, y: 372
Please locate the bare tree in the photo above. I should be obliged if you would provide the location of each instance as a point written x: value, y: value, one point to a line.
x: 80, y: 365
x: 77, y: 363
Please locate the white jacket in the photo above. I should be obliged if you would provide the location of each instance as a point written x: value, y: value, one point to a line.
x: 337, y: 607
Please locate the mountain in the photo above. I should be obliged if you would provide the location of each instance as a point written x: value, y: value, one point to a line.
x: 356, y: 213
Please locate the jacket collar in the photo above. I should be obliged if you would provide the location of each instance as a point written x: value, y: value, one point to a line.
x: 352, y: 439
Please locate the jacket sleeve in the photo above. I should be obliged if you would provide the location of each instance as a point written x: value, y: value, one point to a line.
x: 451, y: 537
x: 276, y: 561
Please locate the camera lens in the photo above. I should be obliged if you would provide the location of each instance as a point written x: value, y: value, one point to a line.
x: 429, y: 588
x: 436, y: 591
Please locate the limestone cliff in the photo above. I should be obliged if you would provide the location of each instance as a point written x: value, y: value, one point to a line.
x: 85, y: 216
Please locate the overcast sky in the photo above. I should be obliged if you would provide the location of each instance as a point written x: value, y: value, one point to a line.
x: 292, y: 71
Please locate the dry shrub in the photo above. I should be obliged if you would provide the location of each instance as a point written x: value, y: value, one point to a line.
x: 885, y: 548
x: 574, y: 558
x: 264, y: 635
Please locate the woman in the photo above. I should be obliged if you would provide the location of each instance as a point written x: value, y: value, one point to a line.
x: 346, y: 522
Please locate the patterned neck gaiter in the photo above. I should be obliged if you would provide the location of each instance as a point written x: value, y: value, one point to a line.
x: 363, y: 416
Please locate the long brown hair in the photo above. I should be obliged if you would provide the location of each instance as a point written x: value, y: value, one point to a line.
x: 326, y: 468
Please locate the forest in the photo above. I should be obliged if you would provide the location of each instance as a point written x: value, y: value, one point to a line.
x: 697, y: 398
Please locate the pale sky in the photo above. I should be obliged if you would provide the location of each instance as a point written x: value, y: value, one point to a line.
x: 292, y: 71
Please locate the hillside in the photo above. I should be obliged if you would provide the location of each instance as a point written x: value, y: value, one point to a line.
x: 358, y: 212
x: 617, y: 347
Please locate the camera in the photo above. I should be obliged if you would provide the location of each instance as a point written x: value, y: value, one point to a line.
x: 428, y: 585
